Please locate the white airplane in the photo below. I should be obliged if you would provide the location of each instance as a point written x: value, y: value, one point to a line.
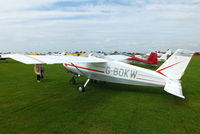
x: 163, y: 57
x: 168, y: 52
x: 150, y: 60
x: 167, y: 75
x: 3, y: 57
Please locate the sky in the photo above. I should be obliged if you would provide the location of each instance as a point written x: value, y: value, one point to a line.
x: 99, y: 25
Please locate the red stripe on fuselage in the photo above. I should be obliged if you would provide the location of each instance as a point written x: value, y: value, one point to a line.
x: 84, y: 68
x: 149, y: 80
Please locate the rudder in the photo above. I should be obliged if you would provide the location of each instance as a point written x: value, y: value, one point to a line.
x: 153, y: 58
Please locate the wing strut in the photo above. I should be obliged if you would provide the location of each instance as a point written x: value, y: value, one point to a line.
x: 78, y: 69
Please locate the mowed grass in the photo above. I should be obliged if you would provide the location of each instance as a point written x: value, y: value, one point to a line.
x: 55, y: 106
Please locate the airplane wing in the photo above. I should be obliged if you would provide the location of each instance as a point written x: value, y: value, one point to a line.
x: 51, y: 59
x: 117, y: 57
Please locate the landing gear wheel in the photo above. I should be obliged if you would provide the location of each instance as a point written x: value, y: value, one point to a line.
x: 81, y: 88
x: 72, y: 81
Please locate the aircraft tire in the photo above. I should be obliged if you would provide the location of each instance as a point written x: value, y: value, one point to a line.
x: 81, y: 88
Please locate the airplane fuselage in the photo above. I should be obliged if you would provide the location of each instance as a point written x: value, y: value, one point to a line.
x: 117, y: 72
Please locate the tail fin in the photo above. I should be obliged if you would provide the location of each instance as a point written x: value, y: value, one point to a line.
x: 174, y: 69
x: 175, y: 66
x: 153, y: 58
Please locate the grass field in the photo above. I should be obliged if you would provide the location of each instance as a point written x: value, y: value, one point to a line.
x: 54, y: 106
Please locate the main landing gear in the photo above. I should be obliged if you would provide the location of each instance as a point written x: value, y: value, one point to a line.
x: 81, y: 88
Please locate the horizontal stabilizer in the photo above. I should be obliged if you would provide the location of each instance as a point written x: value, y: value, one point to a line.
x: 174, y: 87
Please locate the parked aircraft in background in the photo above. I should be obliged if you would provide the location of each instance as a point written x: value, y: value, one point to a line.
x: 69, y: 53
x: 2, y: 57
x: 163, y: 57
x: 140, y: 56
x: 167, y: 75
x: 168, y: 52
x: 76, y: 54
x: 197, y: 53
x: 33, y: 53
x: 151, y: 59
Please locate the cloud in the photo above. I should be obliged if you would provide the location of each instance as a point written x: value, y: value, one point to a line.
x: 11, y: 5
x: 50, y: 25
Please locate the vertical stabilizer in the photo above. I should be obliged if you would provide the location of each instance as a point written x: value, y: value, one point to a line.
x: 175, y: 66
x: 153, y: 59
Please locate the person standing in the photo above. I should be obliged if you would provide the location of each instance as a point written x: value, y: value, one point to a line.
x: 38, y: 71
x: 42, y: 71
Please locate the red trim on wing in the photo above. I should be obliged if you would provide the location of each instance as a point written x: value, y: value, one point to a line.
x: 159, y: 71
x: 85, y: 68
x: 35, y: 59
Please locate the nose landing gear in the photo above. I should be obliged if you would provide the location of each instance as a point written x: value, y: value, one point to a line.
x: 73, y: 79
